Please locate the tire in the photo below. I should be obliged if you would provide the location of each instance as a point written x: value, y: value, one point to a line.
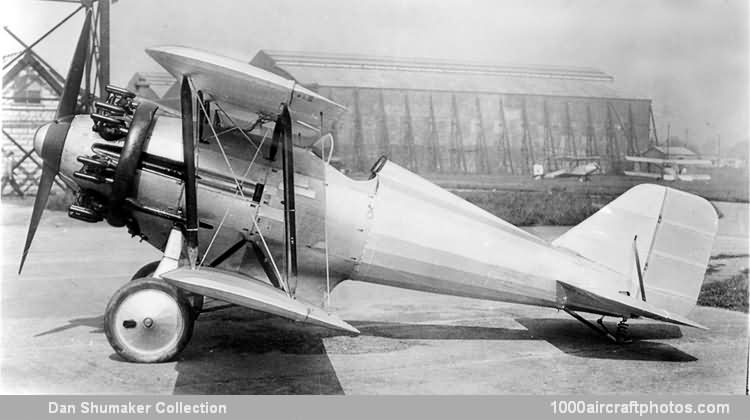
x: 148, y: 270
x: 148, y: 321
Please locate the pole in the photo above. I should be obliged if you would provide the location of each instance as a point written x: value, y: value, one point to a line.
x: 103, y: 47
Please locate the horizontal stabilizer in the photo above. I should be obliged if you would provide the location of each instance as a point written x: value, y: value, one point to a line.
x: 599, y: 301
x: 254, y: 294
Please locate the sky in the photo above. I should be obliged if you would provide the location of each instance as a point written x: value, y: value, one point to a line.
x: 689, y: 56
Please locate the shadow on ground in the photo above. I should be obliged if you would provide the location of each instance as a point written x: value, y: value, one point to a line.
x: 569, y: 336
x: 240, y: 351
x: 95, y: 322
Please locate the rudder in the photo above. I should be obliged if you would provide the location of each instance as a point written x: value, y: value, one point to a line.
x: 674, y: 230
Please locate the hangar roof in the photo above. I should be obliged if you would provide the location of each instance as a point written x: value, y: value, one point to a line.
x: 336, y: 70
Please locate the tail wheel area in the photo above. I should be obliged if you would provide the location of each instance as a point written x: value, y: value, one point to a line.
x: 196, y: 301
x: 148, y: 321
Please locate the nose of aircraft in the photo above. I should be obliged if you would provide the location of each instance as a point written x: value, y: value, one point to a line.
x: 41, y: 133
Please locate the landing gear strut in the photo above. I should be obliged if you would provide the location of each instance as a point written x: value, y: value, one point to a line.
x: 620, y: 336
x: 196, y: 301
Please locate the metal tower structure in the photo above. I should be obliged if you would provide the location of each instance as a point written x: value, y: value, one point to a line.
x: 95, y: 78
x: 97, y: 69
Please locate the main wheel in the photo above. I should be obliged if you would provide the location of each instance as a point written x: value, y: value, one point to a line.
x: 148, y: 321
x: 148, y: 270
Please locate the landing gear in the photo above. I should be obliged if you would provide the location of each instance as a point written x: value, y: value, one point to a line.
x: 147, y: 270
x: 196, y: 301
x: 620, y: 336
x: 148, y: 321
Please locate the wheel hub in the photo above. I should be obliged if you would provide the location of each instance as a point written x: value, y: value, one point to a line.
x: 161, y: 325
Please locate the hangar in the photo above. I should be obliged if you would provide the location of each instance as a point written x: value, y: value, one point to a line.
x: 439, y: 116
x: 445, y: 116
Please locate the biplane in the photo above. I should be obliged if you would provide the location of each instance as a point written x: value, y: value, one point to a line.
x: 235, y: 188
x: 669, y: 169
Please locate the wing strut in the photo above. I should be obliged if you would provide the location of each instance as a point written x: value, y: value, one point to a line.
x: 188, y: 155
x: 283, y: 134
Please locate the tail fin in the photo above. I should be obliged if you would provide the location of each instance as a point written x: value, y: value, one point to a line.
x: 673, y: 233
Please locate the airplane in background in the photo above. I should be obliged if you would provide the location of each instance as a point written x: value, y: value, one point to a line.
x: 670, y: 169
x: 250, y: 212
x: 583, y: 172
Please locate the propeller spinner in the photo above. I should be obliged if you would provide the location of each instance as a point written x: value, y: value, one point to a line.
x: 49, y: 140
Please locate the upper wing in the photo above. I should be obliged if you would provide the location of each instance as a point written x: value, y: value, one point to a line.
x: 251, y: 293
x: 657, y: 161
x: 246, y: 91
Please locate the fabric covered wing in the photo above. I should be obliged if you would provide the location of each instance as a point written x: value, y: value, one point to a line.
x: 246, y: 91
x: 251, y: 293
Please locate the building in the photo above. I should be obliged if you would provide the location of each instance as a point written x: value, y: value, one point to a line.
x: 444, y: 116
x: 670, y: 152
x: 31, y: 91
x: 153, y: 85
x: 449, y: 117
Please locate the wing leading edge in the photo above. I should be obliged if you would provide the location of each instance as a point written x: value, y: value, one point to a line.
x: 246, y: 91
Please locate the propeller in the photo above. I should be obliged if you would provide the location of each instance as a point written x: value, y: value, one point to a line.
x: 49, y: 140
x: 188, y: 156
x: 282, y: 133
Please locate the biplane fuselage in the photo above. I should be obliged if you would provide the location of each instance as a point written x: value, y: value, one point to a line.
x: 395, y: 229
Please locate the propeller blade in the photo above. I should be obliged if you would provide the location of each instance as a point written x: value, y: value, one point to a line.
x: 51, y: 152
x: 188, y: 151
x: 283, y: 133
x: 51, y: 140
x: 69, y: 98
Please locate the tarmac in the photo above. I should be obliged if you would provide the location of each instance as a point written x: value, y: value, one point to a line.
x: 411, y: 343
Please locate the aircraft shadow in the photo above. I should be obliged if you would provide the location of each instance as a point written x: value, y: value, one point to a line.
x: 240, y: 351
x: 95, y: 322
x: 573, y: 338
x: 569, y: 336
